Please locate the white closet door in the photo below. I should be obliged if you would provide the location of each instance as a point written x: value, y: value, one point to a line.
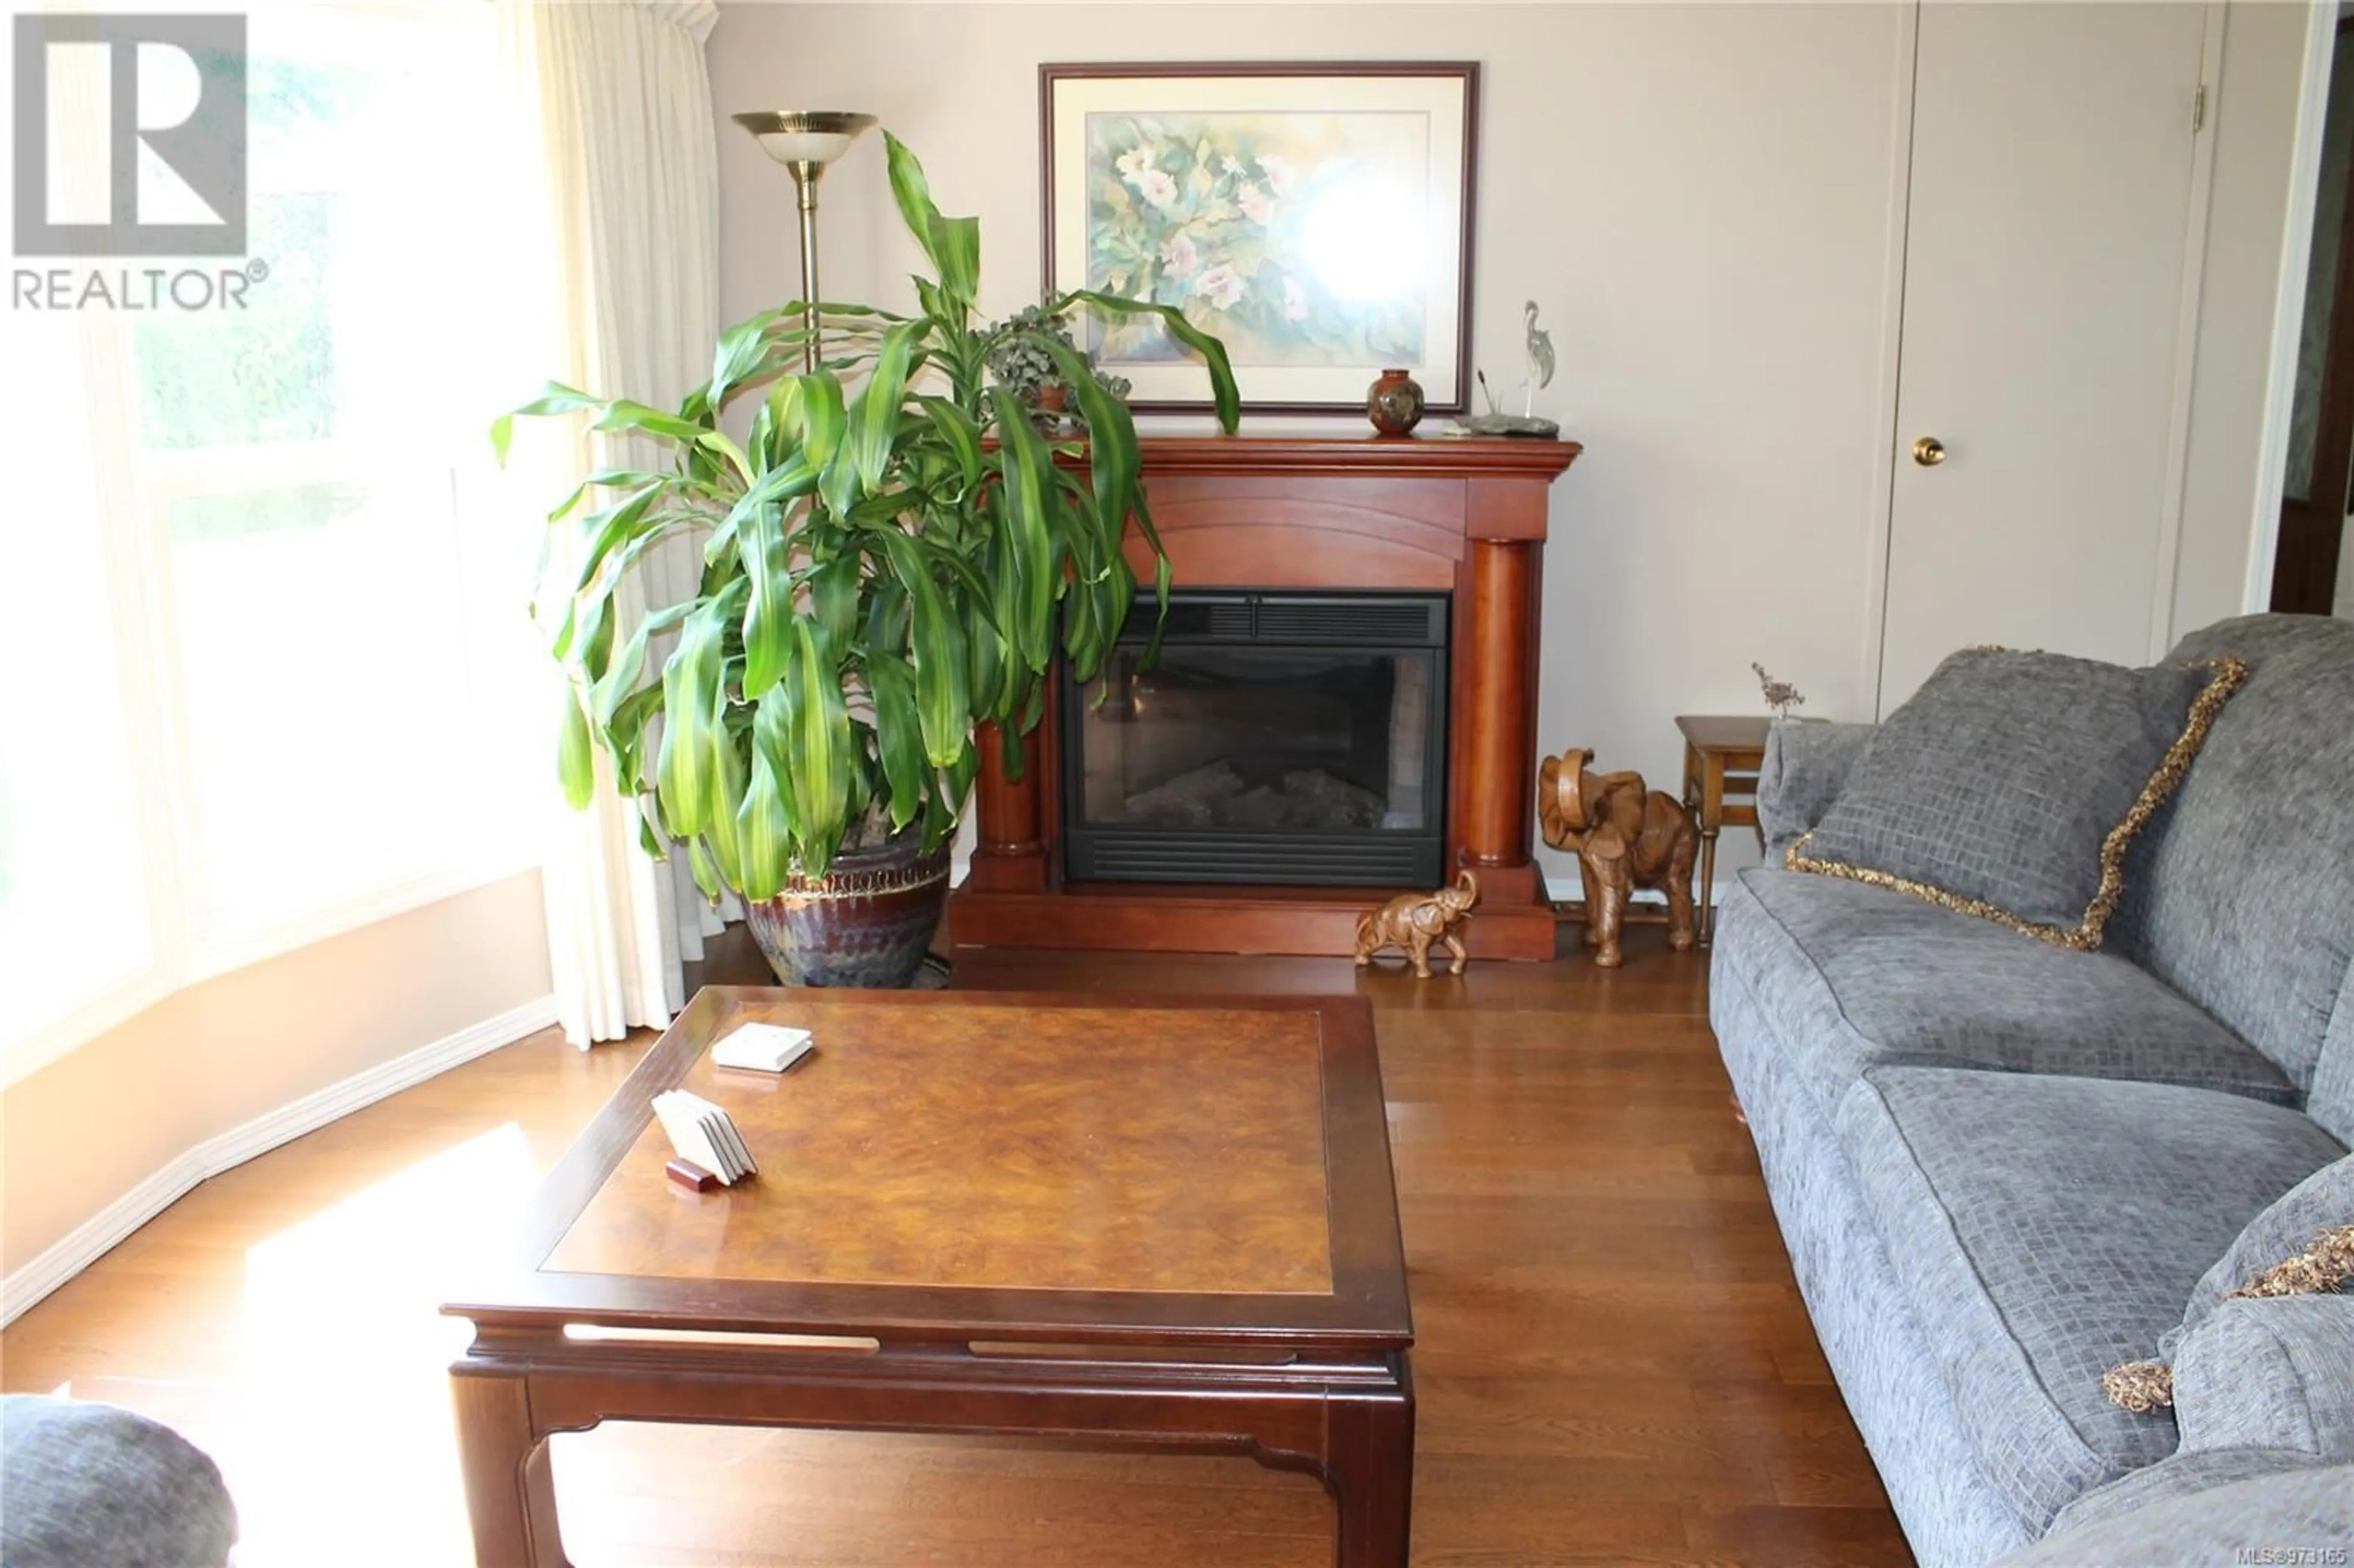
x: 2049, y: 218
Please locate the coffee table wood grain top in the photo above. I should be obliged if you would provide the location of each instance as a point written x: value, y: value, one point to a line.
x: 1004, y: 1166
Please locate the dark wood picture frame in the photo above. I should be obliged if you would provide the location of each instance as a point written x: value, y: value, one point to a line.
x: 1467, y: 72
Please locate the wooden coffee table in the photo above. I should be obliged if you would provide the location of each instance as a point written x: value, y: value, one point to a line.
x: 1144, y: 1219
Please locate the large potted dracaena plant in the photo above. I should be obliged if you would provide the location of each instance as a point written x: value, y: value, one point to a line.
x: 893, y: 554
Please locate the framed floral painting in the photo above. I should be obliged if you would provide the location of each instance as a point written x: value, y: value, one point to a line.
x: 1317, y: 218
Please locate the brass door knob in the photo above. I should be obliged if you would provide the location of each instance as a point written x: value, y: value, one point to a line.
x: 1928, y: 451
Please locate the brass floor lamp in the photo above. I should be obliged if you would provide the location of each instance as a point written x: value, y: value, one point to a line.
x: 805, y: 141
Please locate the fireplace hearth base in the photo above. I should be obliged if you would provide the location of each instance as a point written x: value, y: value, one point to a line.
x: 1198, y: 917
x: 1462, y: 517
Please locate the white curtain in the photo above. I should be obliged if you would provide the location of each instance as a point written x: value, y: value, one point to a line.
x: 624, y: 105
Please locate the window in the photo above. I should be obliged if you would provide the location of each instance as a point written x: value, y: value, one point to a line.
x: 265, y: 595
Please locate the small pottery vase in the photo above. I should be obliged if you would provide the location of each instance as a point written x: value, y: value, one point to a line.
x: 1393, y: 403
x: 867, y: 921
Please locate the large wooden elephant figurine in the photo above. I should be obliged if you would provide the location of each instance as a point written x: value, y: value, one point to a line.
x: 1626, y: 837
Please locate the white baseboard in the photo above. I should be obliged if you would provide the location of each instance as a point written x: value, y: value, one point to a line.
x: 95, y: 1236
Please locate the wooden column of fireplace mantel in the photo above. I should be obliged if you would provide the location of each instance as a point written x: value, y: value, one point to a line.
x: 1462, y: 517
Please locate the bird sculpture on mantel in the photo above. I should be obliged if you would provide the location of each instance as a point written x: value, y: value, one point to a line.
x: 1540, y: 360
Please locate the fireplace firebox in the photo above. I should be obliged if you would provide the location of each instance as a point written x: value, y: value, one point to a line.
x: 1280, y: 737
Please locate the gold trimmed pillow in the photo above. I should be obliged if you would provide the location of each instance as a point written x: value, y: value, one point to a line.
x: 2013, y: 784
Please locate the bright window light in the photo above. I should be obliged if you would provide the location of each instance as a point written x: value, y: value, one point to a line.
x: 265, y: 593
x: 1355, y: 244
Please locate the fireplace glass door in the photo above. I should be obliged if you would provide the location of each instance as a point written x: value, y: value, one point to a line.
x: 1277, y: 738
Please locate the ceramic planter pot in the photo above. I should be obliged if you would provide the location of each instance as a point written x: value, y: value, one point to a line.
x: 866, y: 923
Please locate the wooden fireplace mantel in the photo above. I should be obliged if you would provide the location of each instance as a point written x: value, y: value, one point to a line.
x: 1462, y: 517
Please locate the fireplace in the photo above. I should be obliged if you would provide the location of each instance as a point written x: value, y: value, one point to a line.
x: 1358, y: 720
x: 1291, y: 738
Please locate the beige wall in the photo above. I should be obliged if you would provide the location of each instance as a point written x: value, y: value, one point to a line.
x: 1700, y: 196
x: 89, y: 1127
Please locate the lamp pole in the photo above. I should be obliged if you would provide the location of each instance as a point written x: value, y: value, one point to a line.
x: 805, y: 141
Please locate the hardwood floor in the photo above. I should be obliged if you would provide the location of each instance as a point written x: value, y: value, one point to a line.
x: 1613, y: 1364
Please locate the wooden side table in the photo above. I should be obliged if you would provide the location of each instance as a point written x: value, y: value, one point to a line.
x: 1722, y: 758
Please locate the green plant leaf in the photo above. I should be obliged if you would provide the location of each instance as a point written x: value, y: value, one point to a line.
x: 986, y: 655
x: 624, y: 417
x: 1028, y: 469
x: 706, y: 873
x: 833, y: 595
x: 886, y: 616
x: 1114, y: 460
x: 606, y: 532
x: 820, y: 758
x: 1160, y: 576
x: 1004, y: 600
x: 691, y: 687
x: 765, y: 827
x: 951, y: 791
x: 943, y: 696
x: 769, y: 617
x: 725, y: 445
x: 961, y: 431
x: 955, y: 258
x: 743, y: 348
x: 605, y: 697
x: 727, y: 787
x: 822, y: 420
x: 898, y: 734
x: 874, y: 417
x: 927, y: 294
x: 576, y: 764
x: 910, y: 189
x: 554, y: 398
x: 1223, y: 392
x: 624, y: 737
x: 611, y: 479
x: 954, y: 246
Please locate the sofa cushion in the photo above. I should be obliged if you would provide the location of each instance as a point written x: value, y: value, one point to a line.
x: 1806, y: 763
x: 2046, y: 1229
x: 2284, y: 1227
x: 2240, y: 895
x: 84, y: 1485
x: 2176, y: 1476
x: 1873, y: 1343
x: 2292, y: 1513
x: 2011, y: 785
x: 2274, y: 1373
x: 1858, y: 975
x: 2330, y: 1101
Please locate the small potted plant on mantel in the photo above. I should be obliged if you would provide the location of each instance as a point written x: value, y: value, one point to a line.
x: 1023, y: 363
x: 893, y: 555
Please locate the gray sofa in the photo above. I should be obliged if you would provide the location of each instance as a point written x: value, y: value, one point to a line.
x: 91, y: 1486
x: 2002, y: 1166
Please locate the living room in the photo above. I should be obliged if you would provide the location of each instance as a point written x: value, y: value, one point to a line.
x: 1877, y: 1097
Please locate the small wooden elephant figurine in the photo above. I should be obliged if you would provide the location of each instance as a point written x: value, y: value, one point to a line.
x: 1415, y: 920
x: 1626, y: 837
